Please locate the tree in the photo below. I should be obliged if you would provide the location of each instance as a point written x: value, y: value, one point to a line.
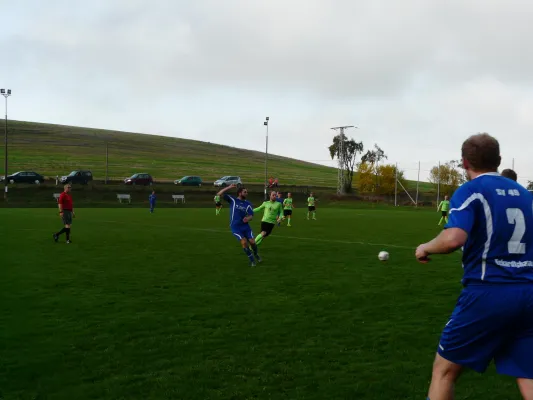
x: 387, y: 177
x: 450, y: 175
x: 350, y: 148
x: 530, y: 185
x: 373, y: 157
x: 365, y: 177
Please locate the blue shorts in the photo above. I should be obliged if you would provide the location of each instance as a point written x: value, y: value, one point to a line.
x: 492, y: 322
x: 242, y: 232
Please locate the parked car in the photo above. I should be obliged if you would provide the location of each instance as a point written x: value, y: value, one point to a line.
x: 189, y: 181
x: 139, y: 179
x: 24, y: 177
x: 228, y: 180
x: 78, y: 176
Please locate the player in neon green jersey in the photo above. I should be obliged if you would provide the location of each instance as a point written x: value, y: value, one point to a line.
x: 444, y: 207
x: 271, y: 214
x: 311, y: 206
x: 287, y: 208
x: 218, y: 204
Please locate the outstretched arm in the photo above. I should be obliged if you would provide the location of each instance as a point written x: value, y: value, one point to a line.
x: 262, y: 206
x: 226, y: 189
x: 446, y: 242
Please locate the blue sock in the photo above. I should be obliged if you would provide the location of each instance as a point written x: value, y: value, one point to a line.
x: 248, y: 252
x: 255, y: 249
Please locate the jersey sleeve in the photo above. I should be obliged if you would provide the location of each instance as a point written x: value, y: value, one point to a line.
x: 462, y: 209
x: 61, y: 199
x: 250, y: 209
x: 228, y: 198
x: 259, y: 208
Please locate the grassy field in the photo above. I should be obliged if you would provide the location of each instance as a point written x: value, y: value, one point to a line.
x: 57, y: 149
x: 164, y: 306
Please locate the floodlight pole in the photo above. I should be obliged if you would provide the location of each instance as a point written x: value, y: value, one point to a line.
x: 341, y: 158
x: 6, y: 94
x: 266, y: 156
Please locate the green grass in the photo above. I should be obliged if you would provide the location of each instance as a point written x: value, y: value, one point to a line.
x: 164, y: 306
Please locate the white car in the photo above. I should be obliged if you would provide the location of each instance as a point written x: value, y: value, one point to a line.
x: 228, y: 180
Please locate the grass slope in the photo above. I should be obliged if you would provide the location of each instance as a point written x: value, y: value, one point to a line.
x: 164, y: 306
x: 58, y: 149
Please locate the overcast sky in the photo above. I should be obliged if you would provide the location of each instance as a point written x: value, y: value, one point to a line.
x: 416, y: 76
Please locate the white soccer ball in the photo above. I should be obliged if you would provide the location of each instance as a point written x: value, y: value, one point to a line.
x: 383, y: 256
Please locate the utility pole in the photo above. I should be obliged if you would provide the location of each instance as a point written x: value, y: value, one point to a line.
x: 6, y: 94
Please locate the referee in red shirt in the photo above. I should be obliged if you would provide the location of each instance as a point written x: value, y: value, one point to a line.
x: 66, y: 211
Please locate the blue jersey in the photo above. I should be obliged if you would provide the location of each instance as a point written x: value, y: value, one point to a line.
x: 497, y: 214
x: 239, y: 210
x: 280, y: 200
x: 152, y: 198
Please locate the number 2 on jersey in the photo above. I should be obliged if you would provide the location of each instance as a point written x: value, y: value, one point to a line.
x: 515, y: 217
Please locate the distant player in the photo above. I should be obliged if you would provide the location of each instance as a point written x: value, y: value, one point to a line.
x: 152, y: 199
x: 66, y: 212
x: 311, y: 206
x: 241, y: 213
x: 509, y: 173
x: 444, y: 207
x: 492, y: 217
x: 287, y: 208
x: 271, y: 215
x: 279, y: 198
x: 218, y: 204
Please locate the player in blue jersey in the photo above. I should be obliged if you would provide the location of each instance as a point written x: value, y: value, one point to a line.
x: 279, y: 199
x: 152, y: 199
x: 241, y: 213
x: 492, y: 217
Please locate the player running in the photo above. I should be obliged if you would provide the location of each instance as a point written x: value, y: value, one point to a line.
x: 493, y: 218
x: 218, y: 204
x: 287, y: 208
x: 241, y: 213
x: 271, y: 215
x: 444, y: 207
x: 311, y: 206
x: 279, y: 199
x: 152, y: 199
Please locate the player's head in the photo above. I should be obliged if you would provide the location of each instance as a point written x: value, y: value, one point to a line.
x: 273, y: 196
x: 289, y: 195
x: 312, y: 194
x: 153, y: 191
x: 480, y: 153
x: 509, y: 173
x: 67, y: 187
x: 446, y: 197
x: 242, y: 192
x: 278, y: 194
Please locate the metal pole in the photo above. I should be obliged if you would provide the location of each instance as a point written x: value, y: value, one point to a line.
x: 513, y: 164
x: 396, y: 187
x: 417, y: 182
x: 266, y: 157
x: 438, y: 185
x: 106, y: 161
x: 5, y: 155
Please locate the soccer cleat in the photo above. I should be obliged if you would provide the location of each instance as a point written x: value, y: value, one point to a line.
x: 252, y: 264
x: 69, y: 242
x: 289, y: 225
x: 258, y: 258
x: 56, y: 238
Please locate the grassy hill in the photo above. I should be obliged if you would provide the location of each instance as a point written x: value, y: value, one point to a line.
x: 57, y: 149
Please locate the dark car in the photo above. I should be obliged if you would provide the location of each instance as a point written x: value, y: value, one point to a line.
x: 139, y: 179
x: 78, y: 176
x: 25, y: 177
x: 189, y: 181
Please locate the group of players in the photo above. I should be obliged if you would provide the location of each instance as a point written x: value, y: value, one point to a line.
x: 275, y: 210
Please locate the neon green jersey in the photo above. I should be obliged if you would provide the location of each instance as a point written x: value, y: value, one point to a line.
x: 272, y: 210
x: 287, y: 203
x: 217, y: 199
x: 444, y: 205
x: 311, y: 201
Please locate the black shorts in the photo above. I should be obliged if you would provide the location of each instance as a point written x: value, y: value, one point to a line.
x: 286, y: 213
x: 218, y: 204
x: 311, y: 208
x: 67, y: 217
x: 445, y: 213
x: 267, y: 228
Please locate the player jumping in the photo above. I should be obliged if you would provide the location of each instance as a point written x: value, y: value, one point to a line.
x: 444, y: 206
x: 311, y: 206
x: 287, y: 208
x: 271, y: 215
x: 241, y: 213
x: 492, y: 217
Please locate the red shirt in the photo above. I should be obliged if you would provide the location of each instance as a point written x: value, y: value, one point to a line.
x: 65, y: 200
